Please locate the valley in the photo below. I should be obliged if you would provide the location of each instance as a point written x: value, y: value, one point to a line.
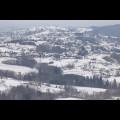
x: 75, y: 51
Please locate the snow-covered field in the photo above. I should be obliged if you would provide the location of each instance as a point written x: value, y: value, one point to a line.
x: 69, y: 98
x: 82, y: 30
x: 15, y: 68
x: 44, y: 87
x: 16, y: 48
x: 7, y: 84
x: 40, y: 42
x: 89, y: 90
x: 85, y: 66
x: 53, y: 89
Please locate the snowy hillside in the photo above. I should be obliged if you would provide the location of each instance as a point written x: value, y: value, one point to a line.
x: 7, y: 84
x: 48, y: 59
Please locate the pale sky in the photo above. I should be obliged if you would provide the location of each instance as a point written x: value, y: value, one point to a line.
x: 74, y: 23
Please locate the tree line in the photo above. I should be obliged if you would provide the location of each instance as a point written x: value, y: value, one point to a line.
x: 24, y: 60
x: 50, y: 49
x: 54, y: 75
x: 25, y: 93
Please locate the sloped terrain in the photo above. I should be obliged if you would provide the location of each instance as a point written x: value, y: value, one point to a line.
x: 90, y: 56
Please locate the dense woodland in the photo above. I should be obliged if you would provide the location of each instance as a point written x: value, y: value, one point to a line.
x: 116, y: 57
x: 113, y: 57
x: 22, y: 61
x: 25, y: 93
x: 22, y: 42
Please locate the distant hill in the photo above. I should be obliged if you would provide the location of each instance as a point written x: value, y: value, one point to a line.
x: 112, y: 30
x: 6, y: 29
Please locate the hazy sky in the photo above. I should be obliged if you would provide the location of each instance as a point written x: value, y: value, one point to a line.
x: 80, y: 23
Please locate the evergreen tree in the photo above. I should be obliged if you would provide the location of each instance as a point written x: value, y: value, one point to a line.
x: 114, y: 85
x: 107, y: 84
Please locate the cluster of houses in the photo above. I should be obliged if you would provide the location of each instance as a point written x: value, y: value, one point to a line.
x: 104, y: 72
x: 7, y: 50
x: 64, y: 40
